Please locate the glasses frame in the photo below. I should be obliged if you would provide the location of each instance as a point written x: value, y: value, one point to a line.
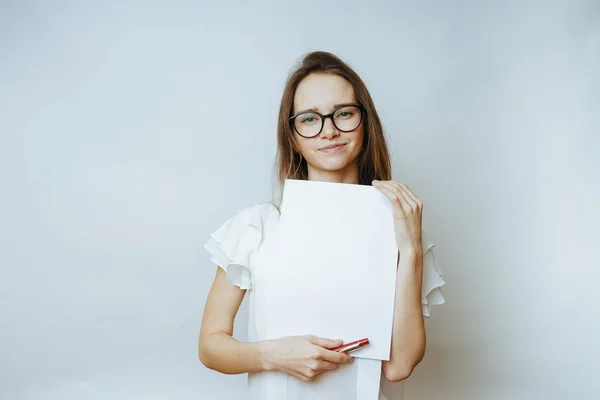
x: 324, y: 117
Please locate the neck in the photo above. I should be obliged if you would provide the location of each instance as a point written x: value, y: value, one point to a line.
x: 347, y: 175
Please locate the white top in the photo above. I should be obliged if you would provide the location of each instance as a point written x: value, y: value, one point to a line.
x: 239, y: 246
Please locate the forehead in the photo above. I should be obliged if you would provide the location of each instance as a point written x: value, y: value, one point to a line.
x: 321, y: 91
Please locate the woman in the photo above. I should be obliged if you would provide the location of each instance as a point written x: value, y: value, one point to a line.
x: 329, y: 131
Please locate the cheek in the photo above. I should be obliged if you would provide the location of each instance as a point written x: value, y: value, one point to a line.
x: 359, y: 140
x: 305, y: 146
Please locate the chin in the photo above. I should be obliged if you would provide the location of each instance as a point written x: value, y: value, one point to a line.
x: 333, y: 162
x: 334, y: 165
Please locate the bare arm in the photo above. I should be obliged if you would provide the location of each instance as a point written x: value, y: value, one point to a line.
x: 302, y: 356
x: 217, y: 349
x: 408, y: 338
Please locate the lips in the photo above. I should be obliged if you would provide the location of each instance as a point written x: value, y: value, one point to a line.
x: 333, y: 148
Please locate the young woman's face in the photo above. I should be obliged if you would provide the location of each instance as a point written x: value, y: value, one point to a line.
x: 323, y: 93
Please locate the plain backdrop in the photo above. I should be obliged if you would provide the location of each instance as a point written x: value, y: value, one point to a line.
x: 130, y: 130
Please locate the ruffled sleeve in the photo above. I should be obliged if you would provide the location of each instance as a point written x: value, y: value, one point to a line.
x: 432, y: 279
x: 232, y: 245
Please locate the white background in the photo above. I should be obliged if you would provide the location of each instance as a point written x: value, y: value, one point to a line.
x: 131, y: 130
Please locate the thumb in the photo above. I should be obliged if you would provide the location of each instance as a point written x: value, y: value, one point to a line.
x: 324, y: 342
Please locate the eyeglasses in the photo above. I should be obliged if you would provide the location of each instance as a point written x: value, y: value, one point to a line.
x: 309, y: 124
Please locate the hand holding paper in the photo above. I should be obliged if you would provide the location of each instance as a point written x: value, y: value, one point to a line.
x: 408, y: 214
x: 303, y: 356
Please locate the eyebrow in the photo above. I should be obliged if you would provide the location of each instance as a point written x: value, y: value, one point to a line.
x: 316, y: 109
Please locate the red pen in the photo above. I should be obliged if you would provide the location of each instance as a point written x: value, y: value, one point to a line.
x: 352, y: 346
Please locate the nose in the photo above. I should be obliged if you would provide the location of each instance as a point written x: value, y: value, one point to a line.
x: 329, y: 130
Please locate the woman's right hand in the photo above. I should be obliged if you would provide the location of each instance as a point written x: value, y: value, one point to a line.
x: 303, y: 356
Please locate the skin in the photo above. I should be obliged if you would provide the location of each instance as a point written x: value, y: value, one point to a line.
x: 320, y: 92
x: 307, y: 356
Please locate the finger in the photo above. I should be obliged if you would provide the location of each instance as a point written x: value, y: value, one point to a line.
x: 399, y: 189
x: 320, y: 371
x: 394, y: 195
x: 381, y: 185
x: 308, y: 374
x: 305, y: 374
x: 336, y: 357
x: 409, y: 193
x: 297, y: 375
x: 323, y: 366
x: 324, y: 342
x: 301, y: 373
x: 326, y: 365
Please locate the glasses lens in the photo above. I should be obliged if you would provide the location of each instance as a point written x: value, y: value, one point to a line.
x: 347, y: 118
x: 308, y: 124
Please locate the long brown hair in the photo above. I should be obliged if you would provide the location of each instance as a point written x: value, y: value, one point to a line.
x: 373, y: 160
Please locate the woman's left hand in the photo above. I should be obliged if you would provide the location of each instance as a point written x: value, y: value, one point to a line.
x: 408, y: 211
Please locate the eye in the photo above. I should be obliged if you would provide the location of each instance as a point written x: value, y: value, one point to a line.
x: 344, y: 114
x: 308, y: 119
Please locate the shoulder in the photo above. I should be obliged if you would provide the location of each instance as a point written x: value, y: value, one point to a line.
x: 247, y: 223
x: 233, y: 244
x: 258, y: 208
x: 256, y: 214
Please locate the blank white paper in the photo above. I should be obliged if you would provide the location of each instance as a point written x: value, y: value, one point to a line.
x: 334, y: 272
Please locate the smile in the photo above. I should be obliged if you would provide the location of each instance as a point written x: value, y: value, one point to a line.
x: 333, y: 150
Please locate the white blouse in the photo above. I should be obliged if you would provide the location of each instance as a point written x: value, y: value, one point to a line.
x: 240, y: 247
